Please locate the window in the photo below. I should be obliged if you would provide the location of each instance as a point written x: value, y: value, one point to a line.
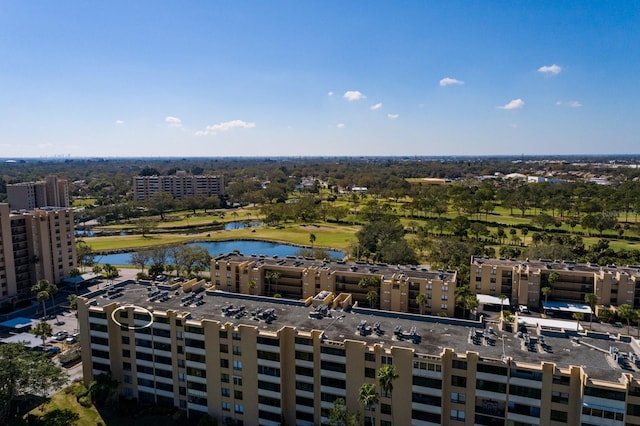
x: 443, y: 306
x: 237, y: 350
x: 239, y: 409
x: 458, y: 415
x: 237, y: 365
x: 224, y: 348
x: 458, y: 397
x: 560, y: 397
x: 237, y: 380
x: 226, y: 406
x: 224, y: 377
x: 225, y: 392
x: 237, y: 394
x: 224, y: 363
x: 386, y: 360
x: 236, y: 335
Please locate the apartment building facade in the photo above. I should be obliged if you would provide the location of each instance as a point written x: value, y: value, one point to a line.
x: 52, y: 192
x: 522, y: 281
x: 34, y: 245
x: 177, y: 345
x: 180, y: 186
x: 397, y: 287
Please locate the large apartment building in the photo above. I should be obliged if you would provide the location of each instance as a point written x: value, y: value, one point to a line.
x: 254, y: 360
x: 52, y: 192
x: 34, y: 245
x: 397, y: 287
x: 522, y: 281
x: 179, y: 186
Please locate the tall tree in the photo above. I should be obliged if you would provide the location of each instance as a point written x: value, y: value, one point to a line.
x: 372, y: 297
x: 386, y: 376
x: 625, y: 311
x: 42, y: 330
x: 591, y: 299
x: 24, y: 373
x: 461, y: 294
x: 578, y: 316
x: 43, y: 291
x: 75, y: 274
x: 421, y: 300
x: 368, y: 398
x: 270, y: 277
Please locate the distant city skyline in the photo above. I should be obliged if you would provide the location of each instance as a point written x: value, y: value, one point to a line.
x: 284, y: 78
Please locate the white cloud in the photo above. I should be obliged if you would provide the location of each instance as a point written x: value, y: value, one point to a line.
x: 376, y: 106
x: 570, y: 104
x: 173, y: 121
x: 340, y: 125
x: 550, y: 69
x: 330, y: 94
x: 448, y: 81
x: 514, y: 104
x: 353, y: 95
x: 225, y: 126
x: 393, y: 116
x: 119, y: 122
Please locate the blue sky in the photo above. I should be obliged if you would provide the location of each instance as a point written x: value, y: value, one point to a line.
x: 271, y: 78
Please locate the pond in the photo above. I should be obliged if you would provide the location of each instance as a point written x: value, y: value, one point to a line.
x: 216, y: 248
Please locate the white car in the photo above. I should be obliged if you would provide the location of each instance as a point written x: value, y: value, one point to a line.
x: 523, y: 309
x: 60, y: 335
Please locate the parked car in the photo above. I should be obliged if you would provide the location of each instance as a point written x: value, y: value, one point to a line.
x: 60, y: 335
x: 523, y: 309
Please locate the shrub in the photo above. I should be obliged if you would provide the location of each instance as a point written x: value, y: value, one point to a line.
x: 81, y: 391
x: 85, y: 401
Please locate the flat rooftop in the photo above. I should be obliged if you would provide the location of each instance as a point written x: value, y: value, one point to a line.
x: 560, y: 265
x: 436, y: 333
x: 341, y: 266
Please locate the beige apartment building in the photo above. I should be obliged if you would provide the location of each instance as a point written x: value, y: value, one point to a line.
x: 397, y: 287
x: 255, y: 360
x: 34, y: 245
x: 522, y: 281
x: 179, y: 186
x: 52, y: 192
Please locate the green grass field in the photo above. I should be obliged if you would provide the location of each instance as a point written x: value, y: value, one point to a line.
x: 332, y: 236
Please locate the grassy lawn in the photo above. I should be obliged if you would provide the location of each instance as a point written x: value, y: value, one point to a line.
x: 66, y: 400
x: 327, y: 235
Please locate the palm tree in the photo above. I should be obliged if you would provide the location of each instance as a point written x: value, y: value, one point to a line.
x: 421, y: 300
x: 252, y: 285
x: 553, y: 278
x: 546, y: 292
x: 372, y: 296
x: 272, y: 276
x: 75, y: 273
x: 625, y: 312
x: 312, y: 239
x: 578, y: 316
x: 42, y: 291
x: 502, y: 298
x: 368, y: 397
x: 43, y: 330
x: 471, y: 302
x: 591, y: 299
x: 461, y: 294
x: 386, y: 375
